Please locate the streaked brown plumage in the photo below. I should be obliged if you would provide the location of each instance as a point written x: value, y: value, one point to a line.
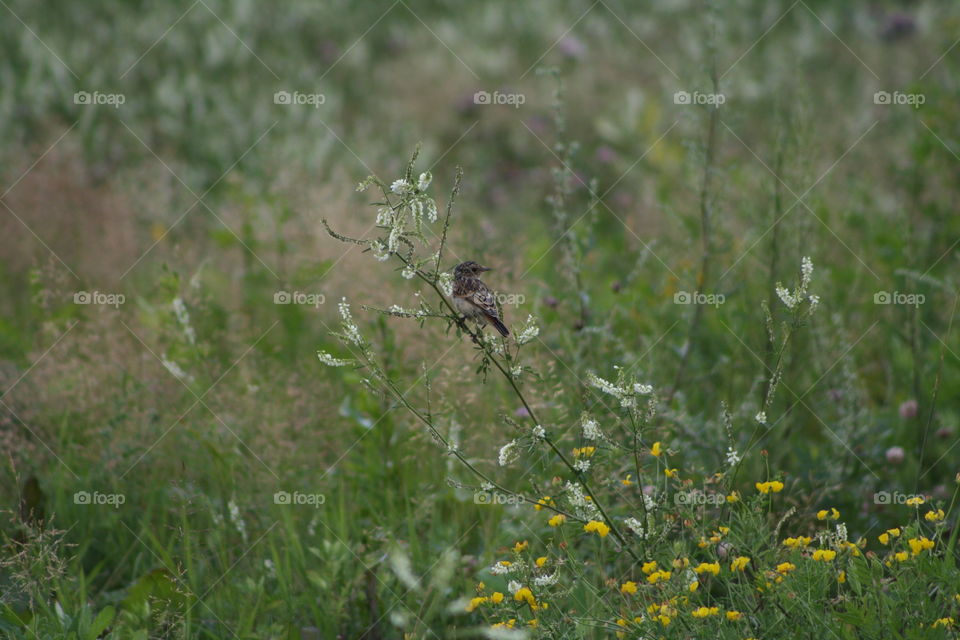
x: 473, y: 298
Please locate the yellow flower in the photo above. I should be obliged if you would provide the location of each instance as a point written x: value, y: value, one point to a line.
x: 774, y: 486
x: 520, y: 546
x: 842, y: 577
x: 496, y: 597
x: 505, y: 563
x: 681, y: 563
x: 533, y: 622
x: 785, y: 567
x: 584, y: 452
x: 655, y: 450
x: 733, y: 616
x: 942, y: 622
x: 600, y: 528
x: 894, y: 532
x: 915, y: 501
x: 733, y: 497
x: 824, y: 555
x: 476, y: 602
x: 545, y: 500
x: 658, y: 576
x: 557, y: 520
x: 480, y: 587
x: 707, y: 567
x: 670, y: 473
x: 627, y: 481
x: 901, y: 556
x: 723, y: 530
x: 542, y: 560
x: 884, y: 538
x: 704, y: 612
x: 934, y: 516
x: 628, y: 587
x: 919, y: 544
x: 693, y: 586
x: 664, y: 620
x: 505, y: 625
x: 524, y: 594
x: 824, y: 514
x: 649, y: 567
x: 796, y: 543
x: 739, y: 563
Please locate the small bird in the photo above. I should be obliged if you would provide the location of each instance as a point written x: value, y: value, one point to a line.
x: 473, y: 298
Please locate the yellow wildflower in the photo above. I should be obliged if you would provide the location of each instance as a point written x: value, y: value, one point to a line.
x: 915, y: 501
x: 542, y: 560
x: 649, y: 567
x: 524, y: 594
x: 681, y: 563
x: 942, y: 622
x: 520, y: 546
x: 785, y: 567
x: 901, y: 556
x: 655, y: 450
x: 627, y: 481
x: 584, y: 452
x: 707, y: 567
x: 824, y: 555
x: 600, y: 528
x: 831, y: 514
x: 557, y: 520
x: 919, y: 544
x: 842, y: 577
x: 505, y: 625
x: 545, y: 500
x: 739, y: 563
x: 733, y: 616
x: 670, y: 473
x: 628, y: 587
x: 733, y: 497
x: 476, y: 602
x: 496, y: 597
x: 703, y: 612
x: 796, y: 543
x: 772, y: 486
x: 934, y: 516
x: 693, y: 586
x: 659, y: 576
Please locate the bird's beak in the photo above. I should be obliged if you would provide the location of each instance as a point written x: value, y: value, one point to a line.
x: 486, y: 268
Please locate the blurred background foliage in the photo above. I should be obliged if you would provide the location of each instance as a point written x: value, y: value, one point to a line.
x: 199, y: 198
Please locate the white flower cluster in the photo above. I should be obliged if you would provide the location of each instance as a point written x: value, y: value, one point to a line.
x: 183, y: 317
x: 350, y: 329
x: 625, y: 393
x: 793, y: 299
x: 636, y: 527
x: 409, y: 272
x: 591, y: 429
x: 761, y: 417
x: 581, y: 465
x: 584, y: 508
x: 539, y: 432
x: 546, y: 581
x: 446, y: 283
x: 513, y: 586
x: 529, y: 331
x: 330, y: 361
x: 732, y: 456
x: 508, y: 453
x: 501, y: 569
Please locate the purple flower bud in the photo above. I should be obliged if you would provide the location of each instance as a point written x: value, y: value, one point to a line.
x: 908, y: 409
x: 895, y: 455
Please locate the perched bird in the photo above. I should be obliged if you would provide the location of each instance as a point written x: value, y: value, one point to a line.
x: 473, y: 298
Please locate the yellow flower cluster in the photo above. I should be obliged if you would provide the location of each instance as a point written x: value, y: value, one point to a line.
x: 739, y: 563
x: 798, y: 542
x: 772, y: 486
x: 824, y: 555
x: 708, y: 567
x: 595, y: 526
x: 557, y: 520
x: 584, y: 452
x: 831, y: 514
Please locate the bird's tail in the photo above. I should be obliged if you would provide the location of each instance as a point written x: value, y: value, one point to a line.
x: 499, y: 326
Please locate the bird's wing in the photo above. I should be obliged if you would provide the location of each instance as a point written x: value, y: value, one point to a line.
x: 477, y: 294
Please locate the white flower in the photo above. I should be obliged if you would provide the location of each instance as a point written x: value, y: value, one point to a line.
x: 546, y: 581
x: 732, y: 456
x: 446, y: 284
x: 761, y: 417
x: 409, y: 271
x: 486, y: 485
x: 605, y: 386
x: 400, y: 187
x: 591, y: 430
x: 635, y: 526
x: 183, y: 317
x: 383, y: 216
x: 806, y: 270
x: 508, y: 453
x: 175, y: 369
x: 814, y: 302
x: 349, y: 326
x: 379, y: 250
x: 516, y: 371
x: 513, y: 586
x: 539, y: 432
x: 842, y: 532
x: 393, y: 240
x: 500, y: 569
x: 330, y: 361
x: 785, y: 296
x: 425, y: 179
x: 642, y: 389
x: 529, y: 332
x: 581, y: 465
x: 237, y: 519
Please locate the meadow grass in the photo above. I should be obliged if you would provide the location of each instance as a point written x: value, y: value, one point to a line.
x: 725, y: 243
